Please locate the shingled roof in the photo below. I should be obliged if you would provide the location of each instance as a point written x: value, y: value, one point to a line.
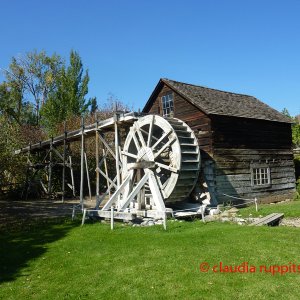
x: 216, y: 102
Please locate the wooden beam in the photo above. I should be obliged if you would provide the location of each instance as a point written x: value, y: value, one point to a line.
x: 82, y: 164
x: 64, y: 165
x: 114, y: 197
x: 134, y: 192
x: 88, y: 175
x: 50, y: 170
x: 97, y: 165
x: 270, y: 219
x: 142, y: 165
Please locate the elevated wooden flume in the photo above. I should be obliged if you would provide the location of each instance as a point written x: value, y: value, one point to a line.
x: 158, y: 164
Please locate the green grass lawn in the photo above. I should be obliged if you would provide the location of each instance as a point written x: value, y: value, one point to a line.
x: 66, y: 261
x: 289, y: 208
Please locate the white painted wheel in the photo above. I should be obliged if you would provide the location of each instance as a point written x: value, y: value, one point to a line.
x: 169, y: 148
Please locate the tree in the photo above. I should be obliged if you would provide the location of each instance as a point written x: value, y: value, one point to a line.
x: 286, y: 113
x: 69, y: 97
x: 38, y: 90
x: 296, y: 134
x: 11, y: 166
x: 13, y: 107
x: 94, y: 105
x: 33, y: 77
x: 295, y: 128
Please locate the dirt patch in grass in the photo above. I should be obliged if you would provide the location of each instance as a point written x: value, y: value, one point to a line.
x: 20, y: 213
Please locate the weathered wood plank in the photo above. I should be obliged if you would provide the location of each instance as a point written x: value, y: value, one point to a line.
x: 227, y: 151
x: 232, y: 132
x: 270, y: 219
x: 276, y: 172
x: 246, y: 164
x: 249, y: 190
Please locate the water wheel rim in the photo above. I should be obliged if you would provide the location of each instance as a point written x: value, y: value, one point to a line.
x: 154, y: 138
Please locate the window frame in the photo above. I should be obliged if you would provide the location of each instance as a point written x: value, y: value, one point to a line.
x: 262, y: 175
x: 165, y: 108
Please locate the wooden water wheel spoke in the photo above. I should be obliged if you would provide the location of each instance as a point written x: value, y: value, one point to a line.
x: 135, y: 140
x: 167, y: 167
x: 161, y: 139
x: 147, y: 134
x: 150, y: 132
x: 129, y: 154
x: 140, y: 135
x: 163, y: 147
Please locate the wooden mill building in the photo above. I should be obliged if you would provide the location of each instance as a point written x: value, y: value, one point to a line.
x: 246, y: 146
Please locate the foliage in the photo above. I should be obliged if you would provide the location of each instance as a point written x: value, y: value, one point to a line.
x: 94, y: 105
x: 63, y: 261
x: 12, y: 170
x: 295, y: 128
x: 297, y: 197
x: 297, y: 165
x: 33, y: 77
x: 296, y: 133
x: 69, y: 97
x: 37, y: 83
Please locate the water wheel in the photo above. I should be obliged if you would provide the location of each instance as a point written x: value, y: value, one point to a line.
x: 167, y: 147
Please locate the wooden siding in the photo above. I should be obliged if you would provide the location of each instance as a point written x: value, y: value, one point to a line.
x: 238, y: 143
x: 233, y: 173
x: 233, y: 132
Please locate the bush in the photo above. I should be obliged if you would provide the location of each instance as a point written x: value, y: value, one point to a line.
x: 11, y: 166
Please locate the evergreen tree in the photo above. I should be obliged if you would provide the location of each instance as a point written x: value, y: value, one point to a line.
x: 69, y: 98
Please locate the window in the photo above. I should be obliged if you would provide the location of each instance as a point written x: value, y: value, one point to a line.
x: 167, y: 104
x: 260, y: 176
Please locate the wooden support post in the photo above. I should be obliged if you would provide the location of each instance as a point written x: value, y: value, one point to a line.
x: 104, y: 153
x: 141, y: 194
x: 50, y: 169
x: 72, y: 175
x: 256, y: 207
x: 112, y: 218
x: 202, y: 209
x: 64, y: 165
x: 82, y: 164
x: 165, y: 220
x: 83, y: 217
x: 117, y: 150
x: 117, y: 153
x: 26, y: 187
x: 97, y: 166
x: 88, y: 175
x: 73, y: 212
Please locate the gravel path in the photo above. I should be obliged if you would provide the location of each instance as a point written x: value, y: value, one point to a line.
x: 292, y: 222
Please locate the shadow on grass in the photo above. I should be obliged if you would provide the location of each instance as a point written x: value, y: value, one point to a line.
x: 19, y: 246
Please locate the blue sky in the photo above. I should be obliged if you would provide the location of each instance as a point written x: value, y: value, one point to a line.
x: 250, y: 47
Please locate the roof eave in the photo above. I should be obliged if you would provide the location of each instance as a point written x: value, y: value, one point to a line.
x: 152, y: 96
x: 252, y: 118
